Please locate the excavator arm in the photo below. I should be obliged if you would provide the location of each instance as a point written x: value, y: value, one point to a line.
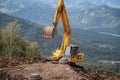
x: 61, y: 12
x: 50, y: 31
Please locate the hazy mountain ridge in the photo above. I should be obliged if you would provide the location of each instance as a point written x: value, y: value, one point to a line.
x: 98, y: 17
x: 102, y: 16
x: 72, y: 3
x: 86, y: 15
x: 26, y: 9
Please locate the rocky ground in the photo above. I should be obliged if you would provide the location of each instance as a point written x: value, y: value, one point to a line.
x: 37, y: 68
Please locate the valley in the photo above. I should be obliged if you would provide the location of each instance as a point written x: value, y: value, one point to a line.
x: 91, y: 42
x: 95, y: 28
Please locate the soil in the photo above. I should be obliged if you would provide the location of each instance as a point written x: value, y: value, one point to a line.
x: 37, y: 68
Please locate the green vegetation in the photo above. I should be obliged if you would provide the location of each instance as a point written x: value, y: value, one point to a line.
x: 97, y: 46
x: 109, y: 67
x: 12, y: 44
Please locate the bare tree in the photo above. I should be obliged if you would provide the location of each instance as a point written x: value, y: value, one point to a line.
x: 11, y: 30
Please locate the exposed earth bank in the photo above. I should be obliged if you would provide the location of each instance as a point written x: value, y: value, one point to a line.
x: 37, y: 68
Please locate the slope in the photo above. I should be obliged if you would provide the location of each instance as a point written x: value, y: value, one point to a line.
x: 98, y: 17
x: 32, y: 32
x: 30, y: 10
x: 96, y: 45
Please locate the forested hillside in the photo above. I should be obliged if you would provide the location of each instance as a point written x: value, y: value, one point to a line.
x: 32, y: 32
x: 12, y: 44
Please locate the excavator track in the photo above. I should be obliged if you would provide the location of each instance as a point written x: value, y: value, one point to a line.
x: 76, y: 67
x: 73, y: 65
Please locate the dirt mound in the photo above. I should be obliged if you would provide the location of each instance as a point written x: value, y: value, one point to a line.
x: 25, y: 69
x: 6, y: 62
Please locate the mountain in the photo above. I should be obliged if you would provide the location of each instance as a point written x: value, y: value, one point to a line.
x: 111, y: 3
x: 32, y: 32
x: 92, y: 43
x: 10, y: 6
x: 86, y: 15
x: 52, y: 3
x: 83, y: 14
x: 102, y: 16
x: 34, y: 11
x: 72, y: 3
x: 83, y: 6
x: 98, y: 17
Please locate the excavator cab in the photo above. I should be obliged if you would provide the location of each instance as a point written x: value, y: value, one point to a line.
x: 72, y: 54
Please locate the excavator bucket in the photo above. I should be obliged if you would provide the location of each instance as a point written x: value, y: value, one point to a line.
x: 49, y: 32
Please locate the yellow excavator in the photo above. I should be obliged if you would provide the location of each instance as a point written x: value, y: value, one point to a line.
x: 67, y: 50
